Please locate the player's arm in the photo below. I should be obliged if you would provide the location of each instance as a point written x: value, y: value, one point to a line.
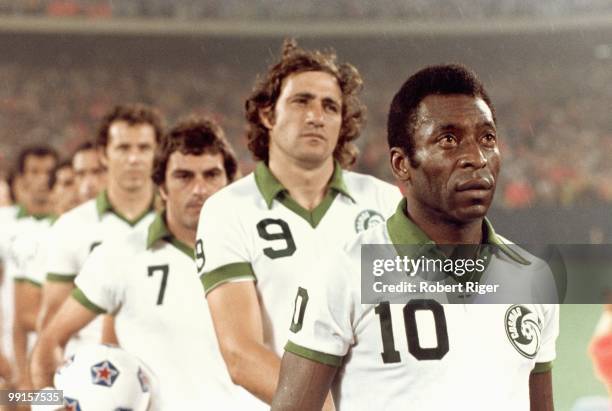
x: 54, y: 293
x: 109, y: 336
x: 46, y: 356
x: 236, y: 316
x: 540, y: 391
x: 303, y: 384
x: 28, y: 297
x: 27, y: 303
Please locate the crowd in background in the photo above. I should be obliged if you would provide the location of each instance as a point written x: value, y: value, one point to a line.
x: 320, y: 9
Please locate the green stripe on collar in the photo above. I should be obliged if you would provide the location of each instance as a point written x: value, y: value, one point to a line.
x: 23, y: 213
x: 403, y: 231
x: 103, y: 205
x: 270, y: 188
x: 158, y: 230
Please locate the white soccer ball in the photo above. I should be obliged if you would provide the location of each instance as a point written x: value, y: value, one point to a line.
x: 104, y: 378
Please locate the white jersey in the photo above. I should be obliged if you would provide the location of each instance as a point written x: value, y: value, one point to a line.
x: 253, y: 231
x: 8, y: 217
x: 423, y: 355
x: 144, y: 280
x: 74, y: 235
x: 18, y: 244
x: 30, y: 251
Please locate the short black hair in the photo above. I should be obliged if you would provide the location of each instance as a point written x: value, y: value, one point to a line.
x: 133, y: 114
x: 34, y: 151
x: 60, y: 165
x: 194, y: 135
x: 86, y: 145
x: 441, y: 79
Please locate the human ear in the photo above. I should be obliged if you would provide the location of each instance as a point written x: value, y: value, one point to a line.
x: 400, y: 164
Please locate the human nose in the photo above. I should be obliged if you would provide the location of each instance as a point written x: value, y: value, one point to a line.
x: 133, y: 156
x: 315, y: 114
x: 472, y: 155
x: 201, y: 187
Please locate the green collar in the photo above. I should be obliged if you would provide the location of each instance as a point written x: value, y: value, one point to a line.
x: 103, y: 205
x: 271, y: 189
x: 403, y: 231
x: 159, y: 231
x: 23, y: 213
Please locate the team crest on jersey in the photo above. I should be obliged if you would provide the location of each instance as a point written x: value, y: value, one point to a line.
x: 367, y: 219
x: 524, y: 330
x: 104, y: 373
x: 70, y: 404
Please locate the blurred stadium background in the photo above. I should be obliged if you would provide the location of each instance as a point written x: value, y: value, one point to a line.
x: 547, y: 64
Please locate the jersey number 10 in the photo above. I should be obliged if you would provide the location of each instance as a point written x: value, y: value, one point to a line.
x: 390, y: 354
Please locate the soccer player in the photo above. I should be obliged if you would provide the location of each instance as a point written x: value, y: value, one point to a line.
x: 29, y: 248
x: 255, y: 235
x: 89, y: 171
x: 126, y: 140
x: 35, y: 165
x: 424, y: 355
x: 143, y: 278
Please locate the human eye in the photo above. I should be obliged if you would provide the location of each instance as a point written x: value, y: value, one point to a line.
x: 213, y: 174
x: 332, y: 108
x: 447, y: 140
x: 489, y: 139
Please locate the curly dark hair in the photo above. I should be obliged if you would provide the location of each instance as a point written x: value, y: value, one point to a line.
x: 194, y: 135
x: 132, y: 114
x: 440, y: 80
x: 298, y: 60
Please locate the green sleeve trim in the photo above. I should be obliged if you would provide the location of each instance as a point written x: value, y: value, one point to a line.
x: 78, y: 295
x: 61, y: 278
x: 327, y: 359
x: 27, y: 280
x: 226, y: 273
x: 541, y: 367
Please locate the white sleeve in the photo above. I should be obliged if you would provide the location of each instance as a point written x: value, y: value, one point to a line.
x: 550, y: 332
x: 62, y: 262
x: 389, y: 198
x: 28, y: 252
x: 221, y: 244
x: 324, y: 312
x: 98, y: 286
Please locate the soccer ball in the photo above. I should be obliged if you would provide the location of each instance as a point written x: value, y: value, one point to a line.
x: 104, y: 378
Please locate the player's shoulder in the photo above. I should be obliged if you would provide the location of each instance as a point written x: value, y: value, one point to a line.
x: 240, y: 190
x: 367, y: 184
x: 8, y: 213
x: 235, y: 202
x: 517, y: 255
x: 85, y: 213
x: 125, y: 245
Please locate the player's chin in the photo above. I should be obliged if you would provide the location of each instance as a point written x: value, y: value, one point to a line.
x: 472, y: 212
x: 314, y: 155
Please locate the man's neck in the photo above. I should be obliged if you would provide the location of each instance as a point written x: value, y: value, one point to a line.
x: 130, y: 204
x: 184, y: 235
x: 306, y: 185
x: 441, y: 231
x: 38, y: 208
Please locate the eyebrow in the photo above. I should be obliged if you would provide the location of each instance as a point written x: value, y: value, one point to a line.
x: 454, y: 126
x: 310, y: 96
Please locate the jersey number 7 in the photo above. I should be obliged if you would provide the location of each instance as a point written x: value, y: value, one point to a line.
x: 164, y: 280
